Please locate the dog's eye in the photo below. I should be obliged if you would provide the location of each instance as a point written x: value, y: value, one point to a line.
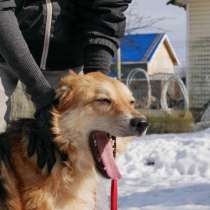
x: 104, y: 101
x: 132, y: 102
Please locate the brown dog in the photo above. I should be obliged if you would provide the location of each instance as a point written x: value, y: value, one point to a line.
x: 92, y: 110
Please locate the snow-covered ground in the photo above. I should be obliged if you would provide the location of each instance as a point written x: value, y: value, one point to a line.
x: 166, y: 172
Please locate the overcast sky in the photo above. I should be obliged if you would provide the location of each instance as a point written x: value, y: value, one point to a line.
x: 174, y: 23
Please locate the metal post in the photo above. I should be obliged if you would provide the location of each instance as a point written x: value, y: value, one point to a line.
x: 119, y: 63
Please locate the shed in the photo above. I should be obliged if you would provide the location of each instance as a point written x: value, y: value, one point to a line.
x: 198, y: 53
x: 152, y: 52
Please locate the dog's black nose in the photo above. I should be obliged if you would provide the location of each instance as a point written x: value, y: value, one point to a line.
x: 139, y: 124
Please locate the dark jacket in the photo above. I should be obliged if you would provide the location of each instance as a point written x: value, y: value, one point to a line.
x: 75, y: 24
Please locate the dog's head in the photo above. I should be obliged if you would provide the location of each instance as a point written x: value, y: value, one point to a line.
x: 93, y: 109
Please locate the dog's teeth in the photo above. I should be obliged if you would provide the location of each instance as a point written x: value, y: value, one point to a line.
x: 95, y: 143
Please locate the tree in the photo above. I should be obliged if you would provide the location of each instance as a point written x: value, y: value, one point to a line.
x: 136, y: 22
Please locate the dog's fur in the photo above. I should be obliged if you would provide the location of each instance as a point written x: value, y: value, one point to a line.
x: 84, y: 105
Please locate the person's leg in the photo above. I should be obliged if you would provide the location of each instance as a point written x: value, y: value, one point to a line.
x: 102, y: 194
x: 8, y: 83
x: 54, y: 77
x: 22, y: 106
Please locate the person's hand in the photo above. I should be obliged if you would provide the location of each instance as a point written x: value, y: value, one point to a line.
x: 41, y: 138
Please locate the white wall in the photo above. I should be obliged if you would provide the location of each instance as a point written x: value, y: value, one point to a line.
x: 161, y: 63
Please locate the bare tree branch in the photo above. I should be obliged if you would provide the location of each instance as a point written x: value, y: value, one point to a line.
x: 136, y: 22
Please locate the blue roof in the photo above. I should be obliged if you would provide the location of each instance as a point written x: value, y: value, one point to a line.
x: 139, y: 47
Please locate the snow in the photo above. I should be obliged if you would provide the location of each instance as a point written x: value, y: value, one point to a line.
x: 166, y: 172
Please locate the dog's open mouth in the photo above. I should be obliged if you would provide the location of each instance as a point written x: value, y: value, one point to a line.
x: 101, y: 144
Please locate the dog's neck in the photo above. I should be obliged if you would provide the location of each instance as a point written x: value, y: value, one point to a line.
x: 76, y: 189
x: 77, y: 173
x: 78, y: 176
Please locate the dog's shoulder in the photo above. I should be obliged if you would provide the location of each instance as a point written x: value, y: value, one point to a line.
x: 13, y: 130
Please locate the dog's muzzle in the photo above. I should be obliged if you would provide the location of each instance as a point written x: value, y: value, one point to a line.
x: 139, y: 124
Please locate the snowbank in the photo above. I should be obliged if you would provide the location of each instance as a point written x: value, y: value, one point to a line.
x: 167, y: 172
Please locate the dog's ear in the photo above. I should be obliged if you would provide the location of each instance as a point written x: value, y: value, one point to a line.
x: 66, y: 90
x: 65, y: 95
x: 72, y: 72
x: 63, y: 91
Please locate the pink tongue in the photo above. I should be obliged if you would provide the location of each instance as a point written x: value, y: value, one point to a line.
x: 106, y: 153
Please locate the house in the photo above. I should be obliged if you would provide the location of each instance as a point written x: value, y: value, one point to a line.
x: 198, y: 56
x: 152, y: 52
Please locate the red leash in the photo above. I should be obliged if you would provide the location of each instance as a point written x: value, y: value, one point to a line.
x: 114, y: 190
x: 114, y: 195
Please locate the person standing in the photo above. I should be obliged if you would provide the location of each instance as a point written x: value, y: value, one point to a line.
x: 40, y: 40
